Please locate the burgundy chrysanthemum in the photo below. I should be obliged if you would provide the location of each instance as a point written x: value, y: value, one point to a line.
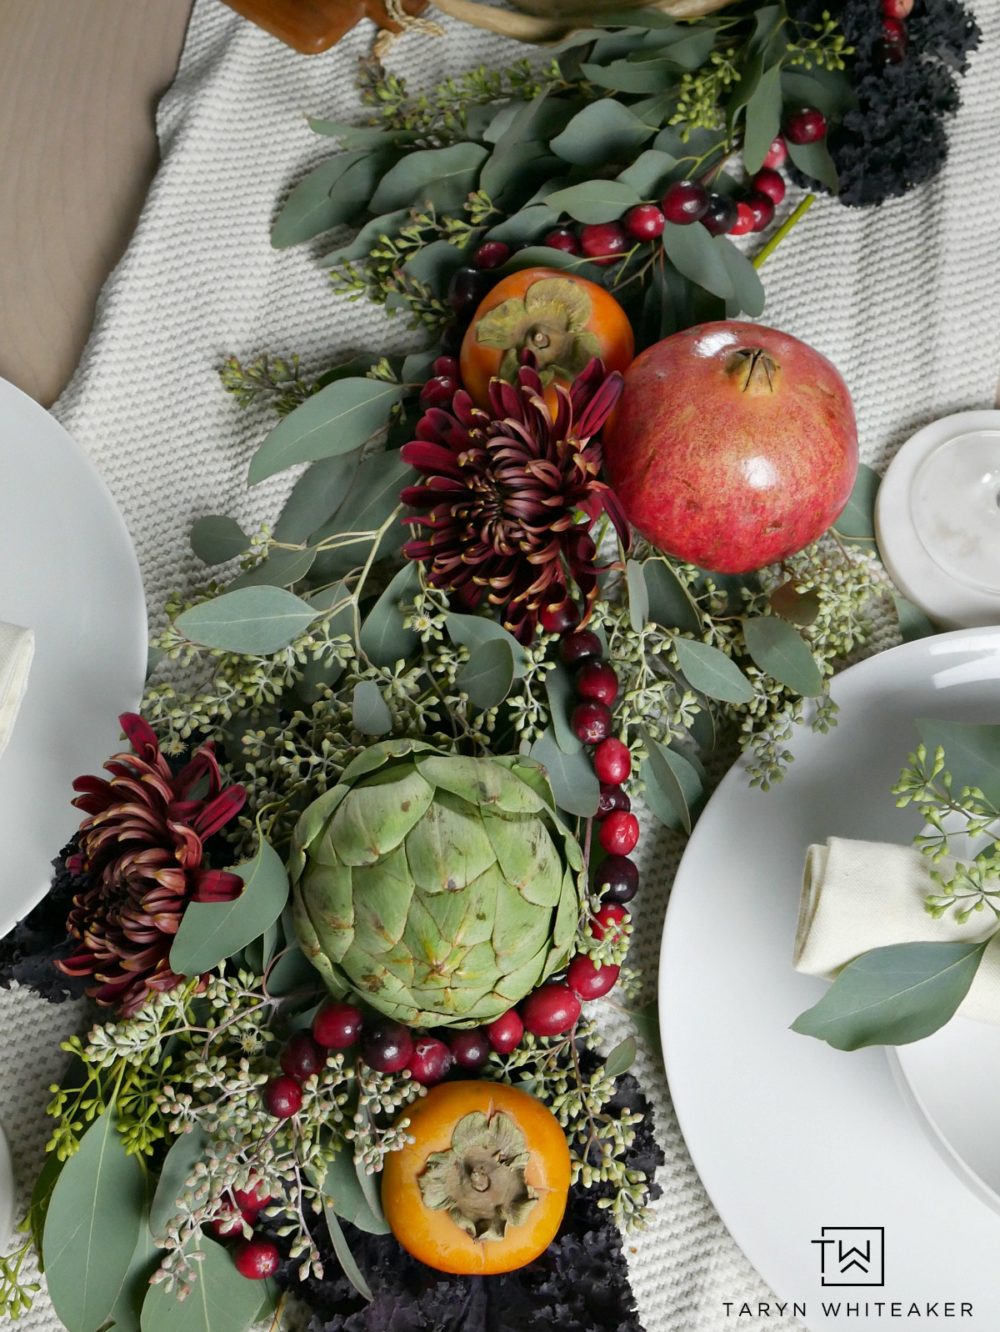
x: 141, y: 847
x: 509, y: 495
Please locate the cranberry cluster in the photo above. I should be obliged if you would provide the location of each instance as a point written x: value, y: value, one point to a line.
x: 256, y: 1258
x: 894, y: 34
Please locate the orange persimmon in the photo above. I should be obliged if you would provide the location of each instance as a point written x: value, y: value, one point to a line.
x: 482, y: 1187
x: 562, y: 319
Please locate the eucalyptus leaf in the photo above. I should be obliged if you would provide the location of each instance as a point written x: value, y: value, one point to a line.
x: 488, y: 674
x: 291, y: 972
x: 629, y: 77
x: 604, y: 131
x: 858, y: 516
x: 814, y: 161
x: 315, y: 498
x: 216, y: 539
x: 385, y: 638
x: 359, y: 136
x: 690, y: 49
x: 523, y: 227
x: 638, y: 596
x: 386, y: 224
x: 370, y: 712
x: 93, y: 1223
x: 343, y: 1192
x: 971, y: 753
x: 471, y: 630
x: 893, y: 995
x: 595, y: 200
x: 442, y: 177
x: 748, y: 290
x: 370, y: 502
x: 694, y: 254
x: 646, y: 1021
x: 256, y: 621
x: 184, y: 1154
x: 513, y: 172
x: 41, y: 1196
x: 711, y: 672
x: 210, y: 932
x: 791, y: 604
x: 561, y: 698
x: 332, y: 193
x: 221, y: 1301
x: 675, y: 778
x: 649, y: 173
x: 344, y: 1256
x: 280, y: 568
x: 574, y: 785
x: 541, y: 256
x: 830, y: 91
x: 336, y: 420
x: 913, y: 623
x: 780, y: 651
x: 621, y: 1058
x: 670, y: 603
x: 763, y: 119
x: 126, y: 1312
x: 435, y: 264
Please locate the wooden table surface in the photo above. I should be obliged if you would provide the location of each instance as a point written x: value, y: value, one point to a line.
x: 79, y: 82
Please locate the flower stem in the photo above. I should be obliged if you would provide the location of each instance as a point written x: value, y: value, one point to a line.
x: 783, y: 230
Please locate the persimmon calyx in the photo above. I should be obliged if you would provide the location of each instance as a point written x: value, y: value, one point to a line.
x: 480, y: 1181
x: 550, y: 321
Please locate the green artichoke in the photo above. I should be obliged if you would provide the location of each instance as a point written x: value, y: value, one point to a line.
x: 442, y: 889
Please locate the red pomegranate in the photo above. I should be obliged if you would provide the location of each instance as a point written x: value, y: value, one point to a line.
x: 733, y: 445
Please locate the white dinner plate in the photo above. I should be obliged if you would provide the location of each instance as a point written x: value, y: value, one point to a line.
x: 68, y: 571
x: 804, y: 1148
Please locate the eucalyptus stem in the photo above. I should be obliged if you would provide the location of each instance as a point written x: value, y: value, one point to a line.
x: 760, y: 259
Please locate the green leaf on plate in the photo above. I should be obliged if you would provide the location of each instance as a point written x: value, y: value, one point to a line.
x: 343, y: 1191
x: 178, y: 1164
x: 710, y: 671
x: 561, y: 699
x: 571, y: 776
x: 221, y: 1301
x: 344, y: 1256
x: 893, y: 995
x: 814, y: 160
x: 336, y: 420
x: 763, y: 119
x: 913, y: 623
x: 252, y: 620
x: 370, y: 712
x: 384, y: 636
x: 971, y: 753
x: 212, y: 931
x: 621, y: 1058
x: 670, y: 603
x: 748, y: 290
x: 638, y: 596
x: 858, y: 516
x: 488, y: 674
x: 693, y: 252
x: 596, y: 200
x: 280, y: 568
x: 780, y: 651
x: 439, y: 176
x: 471, y: 630
x: 94, y: 1218
x: 604, y: 131
x: 315, y: 497
x: 216, y: 538
x: 673, y: 785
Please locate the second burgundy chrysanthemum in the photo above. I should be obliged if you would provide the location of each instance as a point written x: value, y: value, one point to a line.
x: 509, y: 495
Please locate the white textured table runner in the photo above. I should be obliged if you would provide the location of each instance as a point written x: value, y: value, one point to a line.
x: 905, y: 299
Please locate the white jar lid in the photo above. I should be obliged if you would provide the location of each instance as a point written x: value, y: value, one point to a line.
x: 938, y: 519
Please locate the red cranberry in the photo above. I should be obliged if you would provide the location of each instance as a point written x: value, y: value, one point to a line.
x: 611, y: 798
x: 644, y: 222
x: 777, y: 154
x: 805, y: 126
x: 302, y: 1057
x: 505, y: 1033
x: 617, y: 879
x: 257, y: 1259
x: 596, y: 679
x: 387, y: 1046
x: 430, y: 1062
x: 550, y: 1011
x: 228, y: 1223
x: 438, y: 391
x: 467, y: 288
x: 744, y: 220
x: 762, y: 208
x: 491, y: 254
x: 612, y: 761
x: 251, y: 1201
x: 471, y: 1049
x: 619, y: 833
x: 447, y: 366
x: 588, y: 981
x: 897, y: 9
x: 685, y: 201
x: 337, y: 1025
x: 771, y: 183
x: 607, y: 918
x: 559, y: 617
x: 720, y: 214
x: 283, y: 1097
x: 563, y: 239
x: 603, y: 242
x: 894, y: 40
x: 574, y: 648
x: 591, y: 722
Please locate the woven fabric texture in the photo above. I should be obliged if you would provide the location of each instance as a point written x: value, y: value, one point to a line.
x: 904, y: 299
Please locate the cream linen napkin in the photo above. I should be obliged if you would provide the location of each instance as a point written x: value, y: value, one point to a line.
x: 17, y: 647
x: 857, y: 896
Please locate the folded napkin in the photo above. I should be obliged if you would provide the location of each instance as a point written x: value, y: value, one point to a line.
x: 857, y: 896
x: 17, y: 647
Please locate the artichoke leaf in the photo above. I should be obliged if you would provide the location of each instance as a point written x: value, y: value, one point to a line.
x: 481, y: 782
x: 520, y: 929
x: 467, y: 916
x: 527, y: 857
x: 448, y: 847
x: 375, y: 756
x: 378, y: 816
x: 382, y: 989
x: 526, y: 977
x: 382, y: 895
